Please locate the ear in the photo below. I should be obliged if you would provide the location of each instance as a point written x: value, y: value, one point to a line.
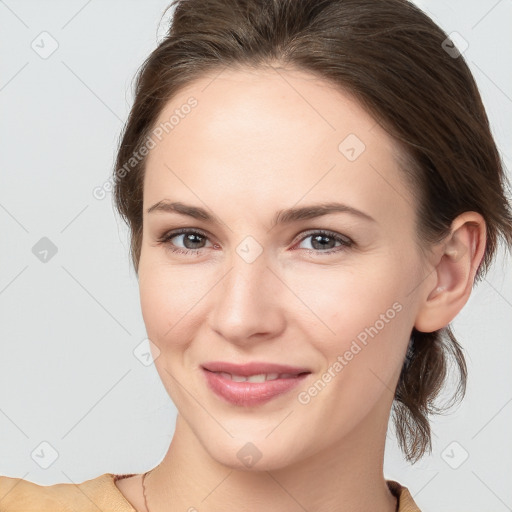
x: 451, y: 281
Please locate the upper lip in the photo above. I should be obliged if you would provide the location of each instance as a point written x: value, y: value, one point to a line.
x: 253, y: 368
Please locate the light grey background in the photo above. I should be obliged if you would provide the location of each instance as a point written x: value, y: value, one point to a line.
x: 69, y: 326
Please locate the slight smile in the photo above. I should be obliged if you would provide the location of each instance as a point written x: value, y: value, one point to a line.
x: 252, y: 383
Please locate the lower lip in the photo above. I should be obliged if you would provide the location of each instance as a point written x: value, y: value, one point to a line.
x: 247, y: 394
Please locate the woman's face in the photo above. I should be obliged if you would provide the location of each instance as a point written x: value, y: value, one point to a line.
x: 333, y: 296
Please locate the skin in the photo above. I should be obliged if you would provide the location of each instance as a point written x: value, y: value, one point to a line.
x: 257, y: 142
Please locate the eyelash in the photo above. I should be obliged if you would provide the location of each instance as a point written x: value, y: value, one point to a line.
x: 344, y: 240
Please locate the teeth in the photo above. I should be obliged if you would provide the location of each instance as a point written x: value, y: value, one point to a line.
x: 261, y: 377
x: 256, y: 378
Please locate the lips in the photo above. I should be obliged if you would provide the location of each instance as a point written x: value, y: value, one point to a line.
x: 253, y: 383
x: 253, y: 368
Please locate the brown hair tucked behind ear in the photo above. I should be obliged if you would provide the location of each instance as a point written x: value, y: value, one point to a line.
x: 389, y: 55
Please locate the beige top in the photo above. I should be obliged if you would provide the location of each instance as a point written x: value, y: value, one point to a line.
x: 101, y: 493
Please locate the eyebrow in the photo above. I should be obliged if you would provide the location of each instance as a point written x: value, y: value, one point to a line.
x: 286, y: 216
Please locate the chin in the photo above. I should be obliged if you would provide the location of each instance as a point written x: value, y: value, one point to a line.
x: 251, y: 453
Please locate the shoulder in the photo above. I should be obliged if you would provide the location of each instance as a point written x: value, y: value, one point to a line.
x: 405, y: 501
x: 99, y: 493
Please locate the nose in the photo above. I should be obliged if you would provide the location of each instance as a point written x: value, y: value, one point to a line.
x: 248, y: 305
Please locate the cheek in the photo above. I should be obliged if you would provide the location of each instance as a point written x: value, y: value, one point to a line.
x: 363, y: 321
x: 345, y: 300
x: 362, y: 364
x: 168, y: 297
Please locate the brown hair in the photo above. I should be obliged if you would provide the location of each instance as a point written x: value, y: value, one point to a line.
x: 392, y: 58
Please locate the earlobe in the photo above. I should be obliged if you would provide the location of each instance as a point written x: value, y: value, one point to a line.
x: 457, y: 260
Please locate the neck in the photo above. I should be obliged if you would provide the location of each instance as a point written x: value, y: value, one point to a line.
x: 347, y: 477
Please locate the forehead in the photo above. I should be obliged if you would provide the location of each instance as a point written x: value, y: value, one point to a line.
x: 273, y: 136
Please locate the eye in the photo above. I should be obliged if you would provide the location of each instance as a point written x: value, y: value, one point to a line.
x: 325, y: 242
x: 322, y: 242
x: 191, y: 239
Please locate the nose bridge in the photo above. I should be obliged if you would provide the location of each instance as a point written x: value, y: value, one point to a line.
x: 247, y: 301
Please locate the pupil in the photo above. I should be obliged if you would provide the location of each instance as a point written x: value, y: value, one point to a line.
x: 316, y: 240
x: 190, y: 238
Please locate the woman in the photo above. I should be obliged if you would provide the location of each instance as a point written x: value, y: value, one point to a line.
x: 312, y: 190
